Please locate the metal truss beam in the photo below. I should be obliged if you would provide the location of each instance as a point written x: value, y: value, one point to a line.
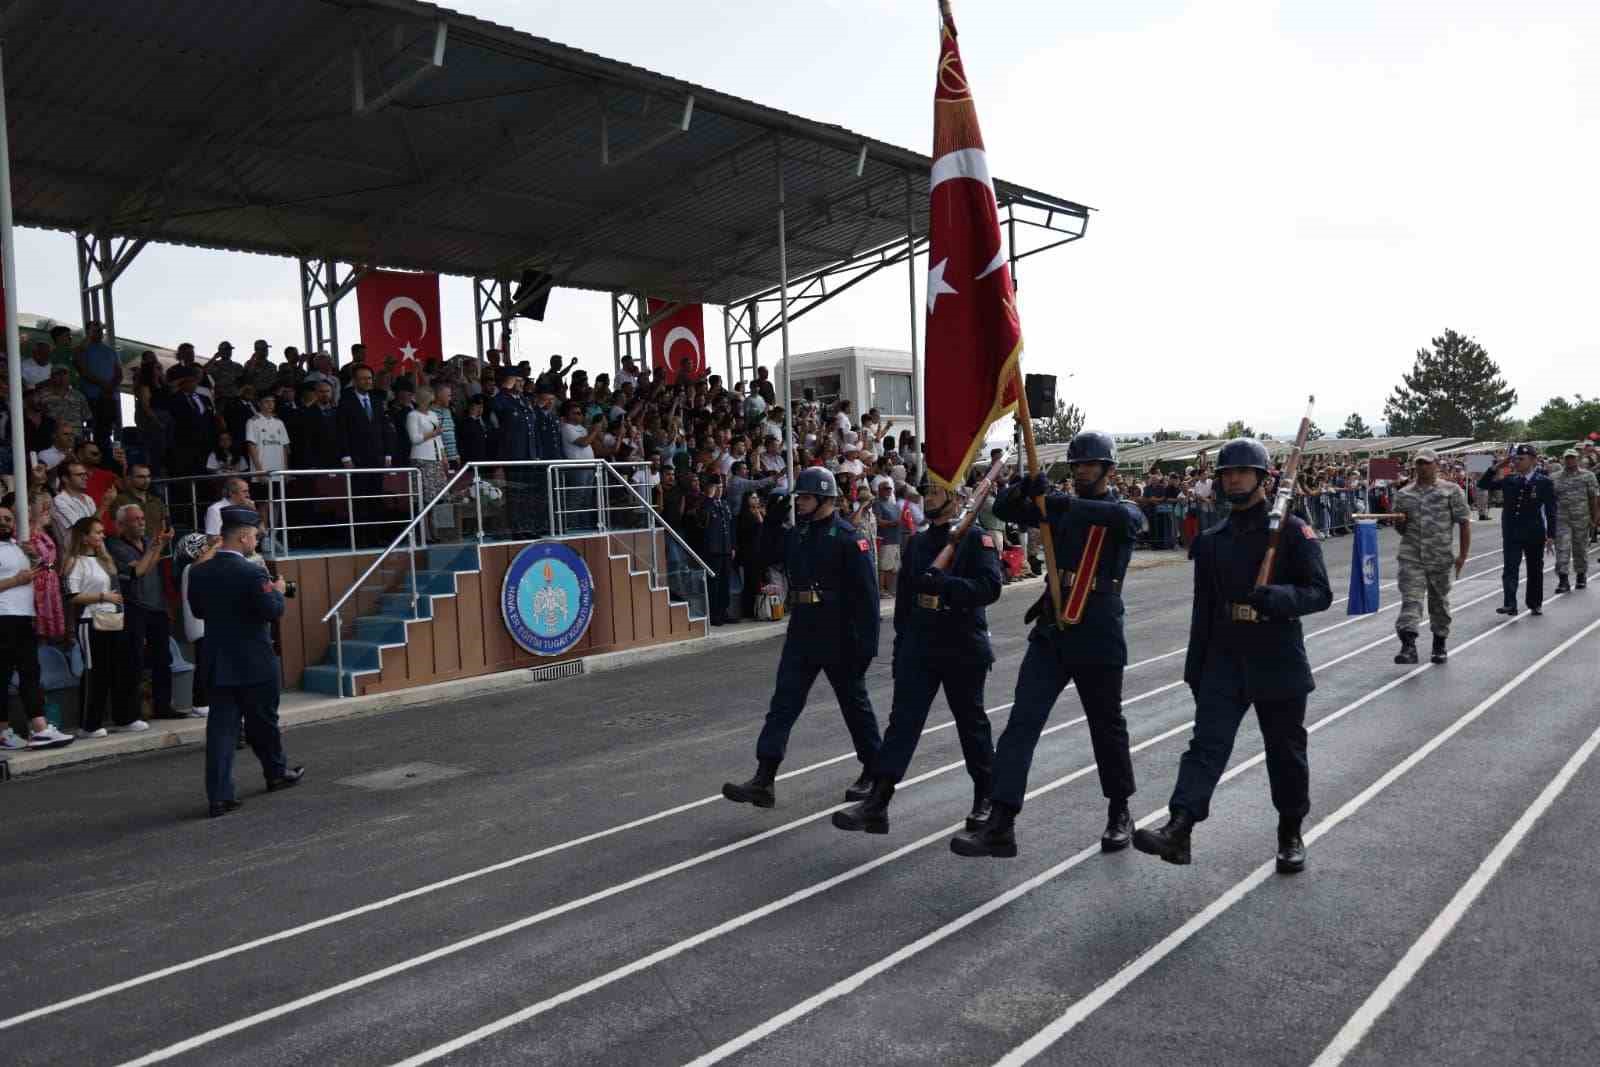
x: 741, y: 335
x: 491, y: 305
x: 810, y: 292
x: 101, y: 261
x: 630, y: 330
x: 321, y: 289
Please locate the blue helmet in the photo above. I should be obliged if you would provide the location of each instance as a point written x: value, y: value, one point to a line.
x: 1244, y: 452
x: 1090, y: 446
x: 816, y: 481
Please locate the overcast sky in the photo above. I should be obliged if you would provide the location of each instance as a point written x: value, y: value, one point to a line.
x: 1291, y: 197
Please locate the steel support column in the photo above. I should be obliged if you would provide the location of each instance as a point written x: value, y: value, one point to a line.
x: 783, y: 309
x: 100, y: 263
x: 13, y: 340
x: 741, y: 330
x: 491, y: 308
x: 628, y: 326
x: 321, y: 289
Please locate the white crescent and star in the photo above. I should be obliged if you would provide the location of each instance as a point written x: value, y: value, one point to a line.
x: 681, y: 333
x: 405, y: 303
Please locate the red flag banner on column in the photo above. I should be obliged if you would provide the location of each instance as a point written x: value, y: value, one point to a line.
x: 974, y: 335
x: 678, y: 342
x: 399, y: 318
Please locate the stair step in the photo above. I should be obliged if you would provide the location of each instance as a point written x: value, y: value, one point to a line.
x: 433, y: 583
x: 383, y: 629
x: 356, y: 655
x: 325, y: 680
x: 452, y: 558
x: 399, y: 605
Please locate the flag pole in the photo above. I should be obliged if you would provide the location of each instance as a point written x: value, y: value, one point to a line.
x: 12, y: 338
x: 1051, y: 574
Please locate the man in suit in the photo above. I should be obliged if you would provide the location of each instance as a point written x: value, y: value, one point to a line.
x: 366, y: 439
x: 1527, y: 524
x: 194, y: 426
x: 238, y: 600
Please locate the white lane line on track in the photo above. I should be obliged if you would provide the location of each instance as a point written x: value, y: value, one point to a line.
x: 855, y: 981
x: 537, y: 854
x: 1372, y: 1009
x: 678, y: 948
x: 1085, y: 1007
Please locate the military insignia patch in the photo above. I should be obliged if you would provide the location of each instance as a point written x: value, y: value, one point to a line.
x: 863, y: 546
x: 1311, y: 535
x: 988, y: 540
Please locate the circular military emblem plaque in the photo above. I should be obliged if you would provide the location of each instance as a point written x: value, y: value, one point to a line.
x: 548, y: 598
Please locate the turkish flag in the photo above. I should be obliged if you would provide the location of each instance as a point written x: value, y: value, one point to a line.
x: 678, y: 342
x: 974, y: 336
x: 399, y: 318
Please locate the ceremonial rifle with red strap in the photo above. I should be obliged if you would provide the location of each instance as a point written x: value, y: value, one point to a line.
x: 1285, y: 494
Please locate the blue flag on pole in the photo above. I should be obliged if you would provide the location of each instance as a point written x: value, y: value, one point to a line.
x: 1364, y: 569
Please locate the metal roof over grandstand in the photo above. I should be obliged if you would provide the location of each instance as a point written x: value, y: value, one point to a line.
x: 402, y: 134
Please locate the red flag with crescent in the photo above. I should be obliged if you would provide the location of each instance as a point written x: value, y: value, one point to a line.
x: 678, y: 342
x: 399, y: 314
x: 974, y: 335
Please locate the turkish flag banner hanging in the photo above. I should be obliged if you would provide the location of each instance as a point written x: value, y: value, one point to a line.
x: 399, y: 319
x: 678, y: 342
x: 974, y: 335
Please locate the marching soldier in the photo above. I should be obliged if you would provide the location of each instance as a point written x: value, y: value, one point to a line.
x: 1094, y: 533
x: 941, y: 638
x: 1246, y: 647
x: 833, y: 630
x: 1527, y: 524
x: 1428, y: 508
x: 1577, y: 508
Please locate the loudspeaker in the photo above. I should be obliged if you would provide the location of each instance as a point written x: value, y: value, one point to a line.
x: 1041, y: 393
x: 535, y: 309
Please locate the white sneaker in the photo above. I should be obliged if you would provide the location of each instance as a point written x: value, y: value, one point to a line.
x: 9, y: 739
x: 92, y: 735
x: 49, y: 737
x: 137, y: 726
x: 198, y: 712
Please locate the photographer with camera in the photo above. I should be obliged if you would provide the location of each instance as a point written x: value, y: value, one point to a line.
x: 144, y: 597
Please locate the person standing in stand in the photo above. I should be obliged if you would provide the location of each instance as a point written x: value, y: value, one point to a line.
x: 833, y: 630
x: 19, y: 650
x: 1094, y: 532
x: 1527, y: 524
x: 1246, y: 647
x: 721, y: 542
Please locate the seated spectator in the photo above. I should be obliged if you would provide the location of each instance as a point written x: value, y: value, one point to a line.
x: 235, y: 493
x: 19, y: 653
x: 90, y: 578
x: 64, y: 445
x: 224, y: 458
x: 36, y: 368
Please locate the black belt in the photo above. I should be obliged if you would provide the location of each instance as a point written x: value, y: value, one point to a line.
x: 1099, y: 585
x: 811, y: 596
x: 1232, y: 612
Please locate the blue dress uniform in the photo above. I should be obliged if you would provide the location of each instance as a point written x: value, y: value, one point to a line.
x: 941, y: 638
x: 833, y: 630
x: 1240, y: 655
x: 526, y: 507
x: 1527, y: 520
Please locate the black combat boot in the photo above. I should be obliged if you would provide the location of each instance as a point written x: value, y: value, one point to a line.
x: 1291, y: 848
x: 1507, y: 609
x: 860, y: 789
x: 981, y: 805
x: 1583, y: 579
x: 1408, y: 649
x: 996, y: 837
x: 1562, y: 585
x: 757, y: 790
x: 1440, y: 653
x: 1119, y: 827
x: 872, y: 814
x: 1170, y: 842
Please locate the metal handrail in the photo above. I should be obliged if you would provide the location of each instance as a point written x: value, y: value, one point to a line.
x: 410, y: 526
x: 664, y: 524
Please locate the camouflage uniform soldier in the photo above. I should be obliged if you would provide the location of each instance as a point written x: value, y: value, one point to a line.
x: 1428, y: 507
x: 1577, y: 505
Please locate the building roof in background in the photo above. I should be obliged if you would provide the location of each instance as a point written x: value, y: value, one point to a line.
x: 403, y: 134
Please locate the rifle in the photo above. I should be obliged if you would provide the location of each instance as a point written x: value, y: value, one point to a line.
x: 969, y: 514
x: 1280, y: 502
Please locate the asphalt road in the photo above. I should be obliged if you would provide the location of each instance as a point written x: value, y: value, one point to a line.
x: 557, y: 881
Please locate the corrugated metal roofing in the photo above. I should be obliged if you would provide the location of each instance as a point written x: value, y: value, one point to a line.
x: 235, y: 126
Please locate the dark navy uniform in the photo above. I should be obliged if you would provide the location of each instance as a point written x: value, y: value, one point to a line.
x: 526, y: 506
x: 941, y: 638
x: 1246, y: 647
x: 833, y: 630
x: 1091, y: 653
x: 1527, y: 519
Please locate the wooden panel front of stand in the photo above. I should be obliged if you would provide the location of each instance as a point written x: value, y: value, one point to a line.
x: 467, y: 635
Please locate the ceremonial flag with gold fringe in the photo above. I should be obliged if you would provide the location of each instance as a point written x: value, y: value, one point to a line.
x: 974, y: 335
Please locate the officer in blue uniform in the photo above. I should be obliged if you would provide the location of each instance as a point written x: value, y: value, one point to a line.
x: 1094, y: 532
x: 941, y: 638
x: 525, y: 509
x: 833, y: 630
x: 238, y: 601
x: 1246, y: 647
x: 1527, y: 524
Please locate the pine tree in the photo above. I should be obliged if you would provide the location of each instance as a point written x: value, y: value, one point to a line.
x: 1061, y: 427
x: 1313, y: 431
x: 1355, y: 427
x: 1455, y: 389
x: 1237, y: 428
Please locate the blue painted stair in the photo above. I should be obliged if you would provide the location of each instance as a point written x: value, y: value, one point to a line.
x: 370, y: 634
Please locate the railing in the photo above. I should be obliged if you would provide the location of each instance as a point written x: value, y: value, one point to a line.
x: 523, y: 500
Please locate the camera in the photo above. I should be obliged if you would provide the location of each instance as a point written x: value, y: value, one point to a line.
x: 290, y: 589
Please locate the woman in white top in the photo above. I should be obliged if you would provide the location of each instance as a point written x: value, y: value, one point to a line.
x: 91, y: 582
x: 225, y: 459
x: 426, y: 432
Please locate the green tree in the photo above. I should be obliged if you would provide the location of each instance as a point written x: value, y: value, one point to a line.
x: 1454, y: 389
x: 1565, y: 420
x: 1060, y: 427
x: 1237, y: 428
x: 1314, y: 431
x: 1355, y: 427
